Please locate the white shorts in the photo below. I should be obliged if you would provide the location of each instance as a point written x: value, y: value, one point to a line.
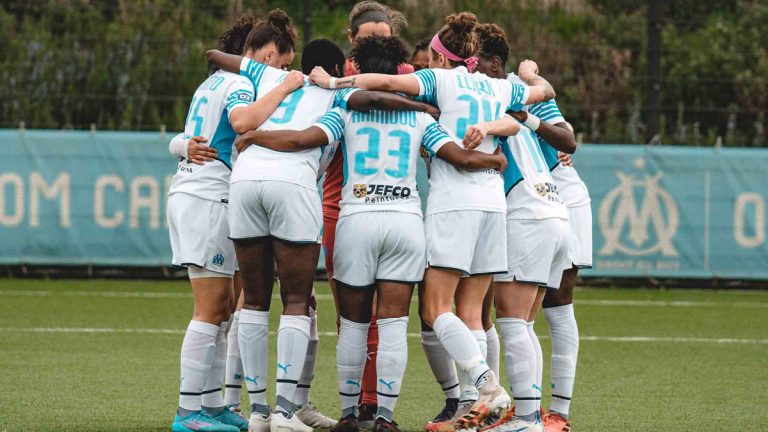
x: 380, y: 246
x: 286, y: 211
x: 537, y: 251
x: 473, y: 242
x: 198, y: 229
x: 580, y: 246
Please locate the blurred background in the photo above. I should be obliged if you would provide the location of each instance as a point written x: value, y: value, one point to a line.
x: 686, y: 72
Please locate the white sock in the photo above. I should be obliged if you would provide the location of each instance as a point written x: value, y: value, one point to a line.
x: 391, y: 360
x: 521, y: 365
x: 197, y: 352
x: 233, y: 380
x: 459, y: 343
x: 292, y: 343
x: 308, y: 373
x: 469, y: 392
x: 351, y: 351
x: 253, y: 337
x: 442, y: 365
x: 565, y: 351
x: 539, y: 356
x: 213, y: 398
x: 494, y: 350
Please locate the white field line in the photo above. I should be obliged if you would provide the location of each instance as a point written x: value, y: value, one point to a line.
x: 172, y: 294
x: 624, y: 339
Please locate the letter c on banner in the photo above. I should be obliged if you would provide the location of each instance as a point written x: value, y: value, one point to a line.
x: 102, y: 183
x: 739, y: 209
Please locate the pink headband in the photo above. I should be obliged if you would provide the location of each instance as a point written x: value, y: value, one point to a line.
x: 438, y: 46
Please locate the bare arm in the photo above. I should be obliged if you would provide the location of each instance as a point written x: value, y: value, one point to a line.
x: 252, y: 116
x: 472, y: 160
x: 540, y: 89
x: 558, y: 135
x: 379, y: 100
x: 505, y: 126
x: 227, y: 62
x: 407, y: 84
x: 283, y: 140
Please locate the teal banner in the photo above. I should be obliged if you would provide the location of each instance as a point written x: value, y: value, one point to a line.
x: 677, y: 211
x: 74, y: 197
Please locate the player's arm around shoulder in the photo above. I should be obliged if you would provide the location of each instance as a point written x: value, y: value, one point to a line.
x: 384, y: 101
x: 539, y: 89
x: 505, y: 126
x: 227, y: 62
x: 257, y: 112
x: 407, y: 84
x: 438, y: 143
x: 328, y: 129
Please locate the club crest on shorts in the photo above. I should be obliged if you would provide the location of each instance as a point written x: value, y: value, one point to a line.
x: 218, y: 259
x: 360, y: 190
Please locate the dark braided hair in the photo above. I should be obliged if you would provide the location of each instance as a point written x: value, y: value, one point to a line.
x: 233, y: 40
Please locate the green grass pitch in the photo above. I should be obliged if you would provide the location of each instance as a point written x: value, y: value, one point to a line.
x: 104, y: 355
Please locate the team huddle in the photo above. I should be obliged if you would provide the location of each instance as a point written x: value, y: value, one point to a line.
x: 507, y: 226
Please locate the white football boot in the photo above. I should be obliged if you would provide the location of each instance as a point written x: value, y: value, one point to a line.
x: 281, y: 423
x: 516, y: 424
x: 259, y: 422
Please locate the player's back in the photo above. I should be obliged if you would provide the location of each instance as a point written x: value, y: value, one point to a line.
x: 208, y: 116
x: 465, y: 99
x: 299, y: 110
x: 381, y: 152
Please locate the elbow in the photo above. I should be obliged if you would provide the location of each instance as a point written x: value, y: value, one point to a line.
x: 466, y: 162
x: 570, y: 145
x: 240, y: 127
x: 568, y: 142
x: 549, y: 93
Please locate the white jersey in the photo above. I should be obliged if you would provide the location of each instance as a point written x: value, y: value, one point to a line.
x: 381, y: 152
x: 208, y: 116
x: 572, y: 189
x: 298, y: 111
x: 465, y: 99
x: 535, y: 195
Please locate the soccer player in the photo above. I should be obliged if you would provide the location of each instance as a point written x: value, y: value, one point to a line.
x: 465, y: 210
x: 554, y: 134
x: 420, y: 58
x: 537, y: 237
x: 380, y: 232
x: 197, y: 219
x: 275, y: 215
x: 367, y: 18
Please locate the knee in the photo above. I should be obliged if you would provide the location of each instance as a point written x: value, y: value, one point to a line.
x: 555, y: 298
x: 295, y: 304
x: 472, y: 318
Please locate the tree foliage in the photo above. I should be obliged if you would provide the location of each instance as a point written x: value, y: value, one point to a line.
x: 134, y: 64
